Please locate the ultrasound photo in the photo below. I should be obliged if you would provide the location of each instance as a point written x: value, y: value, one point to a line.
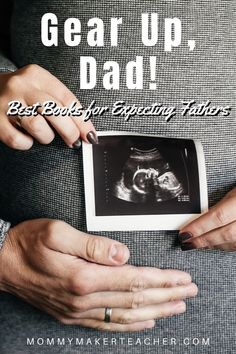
x: 143, y: 182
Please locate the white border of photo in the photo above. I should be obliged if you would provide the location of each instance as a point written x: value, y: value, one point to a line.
x: 137, y: 222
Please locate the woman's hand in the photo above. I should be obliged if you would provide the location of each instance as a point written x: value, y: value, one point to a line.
x: 73, y: 276
x: 30, y: 85
x: 215, y: 229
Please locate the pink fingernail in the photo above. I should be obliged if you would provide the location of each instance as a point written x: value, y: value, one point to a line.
x: 180, y: 307
x: 192, y: 291
x: 119, y: 253
x: 150, y: 325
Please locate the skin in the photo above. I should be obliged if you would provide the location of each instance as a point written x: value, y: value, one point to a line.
x: 216, y: 229
x: 30, y: 85
x: 73, y: 276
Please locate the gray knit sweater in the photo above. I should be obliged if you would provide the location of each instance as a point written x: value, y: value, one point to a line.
x: 47, y: 181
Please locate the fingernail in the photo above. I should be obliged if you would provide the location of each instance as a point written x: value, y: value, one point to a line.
x: 184, y: 236
x: 77, y: 144
x: 150, y: 325
x: 119, y: 254
x: 187, y: 247
x: 92, y: 138
x: 192, y: 290
x: 180, y: 307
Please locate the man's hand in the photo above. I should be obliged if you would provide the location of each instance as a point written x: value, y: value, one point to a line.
x: 30, y: 85
x: 73, y: 276
x: 216, y: 229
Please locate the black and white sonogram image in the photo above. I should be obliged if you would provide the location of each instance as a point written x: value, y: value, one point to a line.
x: 145, y: 175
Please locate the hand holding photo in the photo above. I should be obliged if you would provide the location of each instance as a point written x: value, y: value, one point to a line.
x: 143, y: 182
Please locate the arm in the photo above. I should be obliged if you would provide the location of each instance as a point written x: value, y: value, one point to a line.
x: 21, y: 84
x: 74, y: 276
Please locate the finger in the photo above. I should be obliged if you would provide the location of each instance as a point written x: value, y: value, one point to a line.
x: 37, y: 127
x: 85, y: 126
x: 110, y: 327
x: 67, y: 320
x: 97, y: 249
x: 131, y: 299
x: 62, y: 94
x: 223, y: 235
x: 96, y: 278
x: 127, y: 316
x: 230, y: 194
x: 87, y: 130
x: 99, y: 325
x: 12, y: 137
x: 221, y: 214
x: 64, y: 126
x: 226, y: 246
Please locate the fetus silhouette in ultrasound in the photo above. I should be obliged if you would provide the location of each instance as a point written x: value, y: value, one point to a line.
x: 147, y: 177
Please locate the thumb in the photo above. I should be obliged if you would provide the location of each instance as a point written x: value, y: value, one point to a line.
x: 93, y: 248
